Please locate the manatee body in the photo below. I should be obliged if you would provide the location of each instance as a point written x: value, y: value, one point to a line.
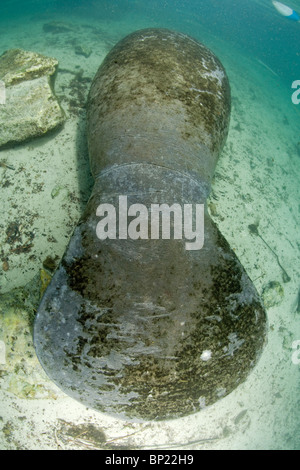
x: 145, y: 328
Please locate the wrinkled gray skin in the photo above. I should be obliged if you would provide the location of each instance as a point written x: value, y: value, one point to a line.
x: 145, y: 329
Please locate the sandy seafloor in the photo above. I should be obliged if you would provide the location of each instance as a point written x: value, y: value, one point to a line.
x: 44, y: 185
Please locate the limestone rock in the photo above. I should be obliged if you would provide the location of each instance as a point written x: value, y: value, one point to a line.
x: 30, y: 107
x: 83, y: 50
x: 272, y: 294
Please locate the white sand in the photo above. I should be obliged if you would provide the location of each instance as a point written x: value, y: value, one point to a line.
x: 256, y: 181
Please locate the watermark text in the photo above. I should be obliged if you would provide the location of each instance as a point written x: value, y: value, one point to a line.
x: 160, y: 221
x: 296, y: 353
x: 296, y: 94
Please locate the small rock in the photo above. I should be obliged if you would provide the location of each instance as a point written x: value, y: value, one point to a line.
x: 31, y: 108
x: 83, y: 50
x: 55, y: 191
x: 49, y: 263
x: 45, y: 278
x: 5, y: 265
x: 272, y: 294
x: 213, y: 209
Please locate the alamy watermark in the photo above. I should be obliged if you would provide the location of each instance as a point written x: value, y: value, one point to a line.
x: 296, y: 94
x: 296, y: 353
x: 2, y: 92
x: 159, y: 221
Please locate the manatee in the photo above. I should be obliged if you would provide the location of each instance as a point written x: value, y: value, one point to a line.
x: 145, y: 328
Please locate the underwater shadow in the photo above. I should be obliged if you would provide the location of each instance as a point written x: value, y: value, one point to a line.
x: 84, y: 176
